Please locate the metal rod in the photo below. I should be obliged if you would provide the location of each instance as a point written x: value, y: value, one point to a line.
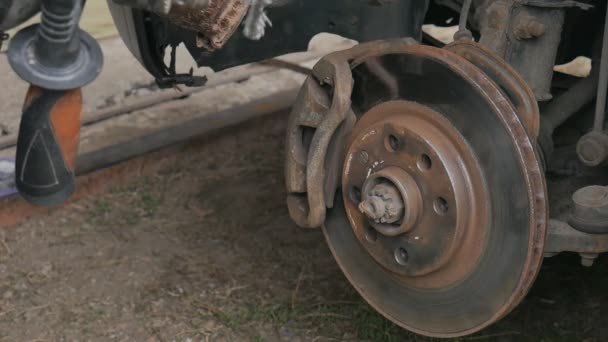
x: 463, y: 32
x: 464, y: 15
x: 600, y: 105
x: 562, y: 107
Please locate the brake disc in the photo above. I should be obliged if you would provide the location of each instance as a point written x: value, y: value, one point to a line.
x: 444, y: 211
x: 506, y: 77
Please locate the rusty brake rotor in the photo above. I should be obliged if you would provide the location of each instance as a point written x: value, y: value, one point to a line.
x: 506, y: 77
x: 416, y: 152
x: 444, y: 212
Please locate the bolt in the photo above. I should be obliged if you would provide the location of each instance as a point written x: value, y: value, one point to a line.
x: 529, y: 27
x: 373, y: 207
x: 587, y: 259
x: 383, y: 204
x: 536, y: 28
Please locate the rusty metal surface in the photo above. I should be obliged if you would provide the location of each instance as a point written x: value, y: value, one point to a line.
x: 215, y: 24
x: 305, y: 163
x: 390, y: 199
x: 564, y: 238
x: 513, y: 248
x: 507, y: 78
x: 521, y: 32
x: 444, y: 192
x: 316, y: 131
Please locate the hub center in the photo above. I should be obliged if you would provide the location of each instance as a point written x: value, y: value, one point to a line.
x: 410, y: 196
x: 391, y: 201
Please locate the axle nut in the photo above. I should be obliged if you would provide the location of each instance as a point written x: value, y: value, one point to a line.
x: 383, y: 205
x: 391, y: 200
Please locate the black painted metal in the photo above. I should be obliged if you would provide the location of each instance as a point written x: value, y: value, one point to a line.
x: 294, y: 24
x: 15, y: 12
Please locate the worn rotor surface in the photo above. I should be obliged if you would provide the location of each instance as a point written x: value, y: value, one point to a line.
x: 506, y: 77
x: 444, y: 212
x: 418, y: 151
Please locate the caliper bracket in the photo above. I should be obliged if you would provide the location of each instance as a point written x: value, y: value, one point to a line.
x: 320, y: 123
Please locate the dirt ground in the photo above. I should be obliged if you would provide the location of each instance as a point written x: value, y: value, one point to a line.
x: 202, y: 249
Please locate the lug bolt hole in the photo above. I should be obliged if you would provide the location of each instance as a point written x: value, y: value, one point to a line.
x: 371, y: 235
x: 401, y: 256
x: 424, y: 162
x: 441, y: 206
x: 393, y: 143
x: 355, y: 194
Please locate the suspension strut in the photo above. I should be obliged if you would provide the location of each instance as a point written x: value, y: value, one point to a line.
x: 57, y: 59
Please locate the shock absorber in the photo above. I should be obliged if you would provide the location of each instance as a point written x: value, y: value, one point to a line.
x: 57, y: 59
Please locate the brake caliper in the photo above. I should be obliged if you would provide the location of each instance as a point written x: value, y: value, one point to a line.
x: 318, y: 128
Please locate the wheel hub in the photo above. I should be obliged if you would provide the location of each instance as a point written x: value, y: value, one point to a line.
x: 416, y: 199
x: 391, y: 201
